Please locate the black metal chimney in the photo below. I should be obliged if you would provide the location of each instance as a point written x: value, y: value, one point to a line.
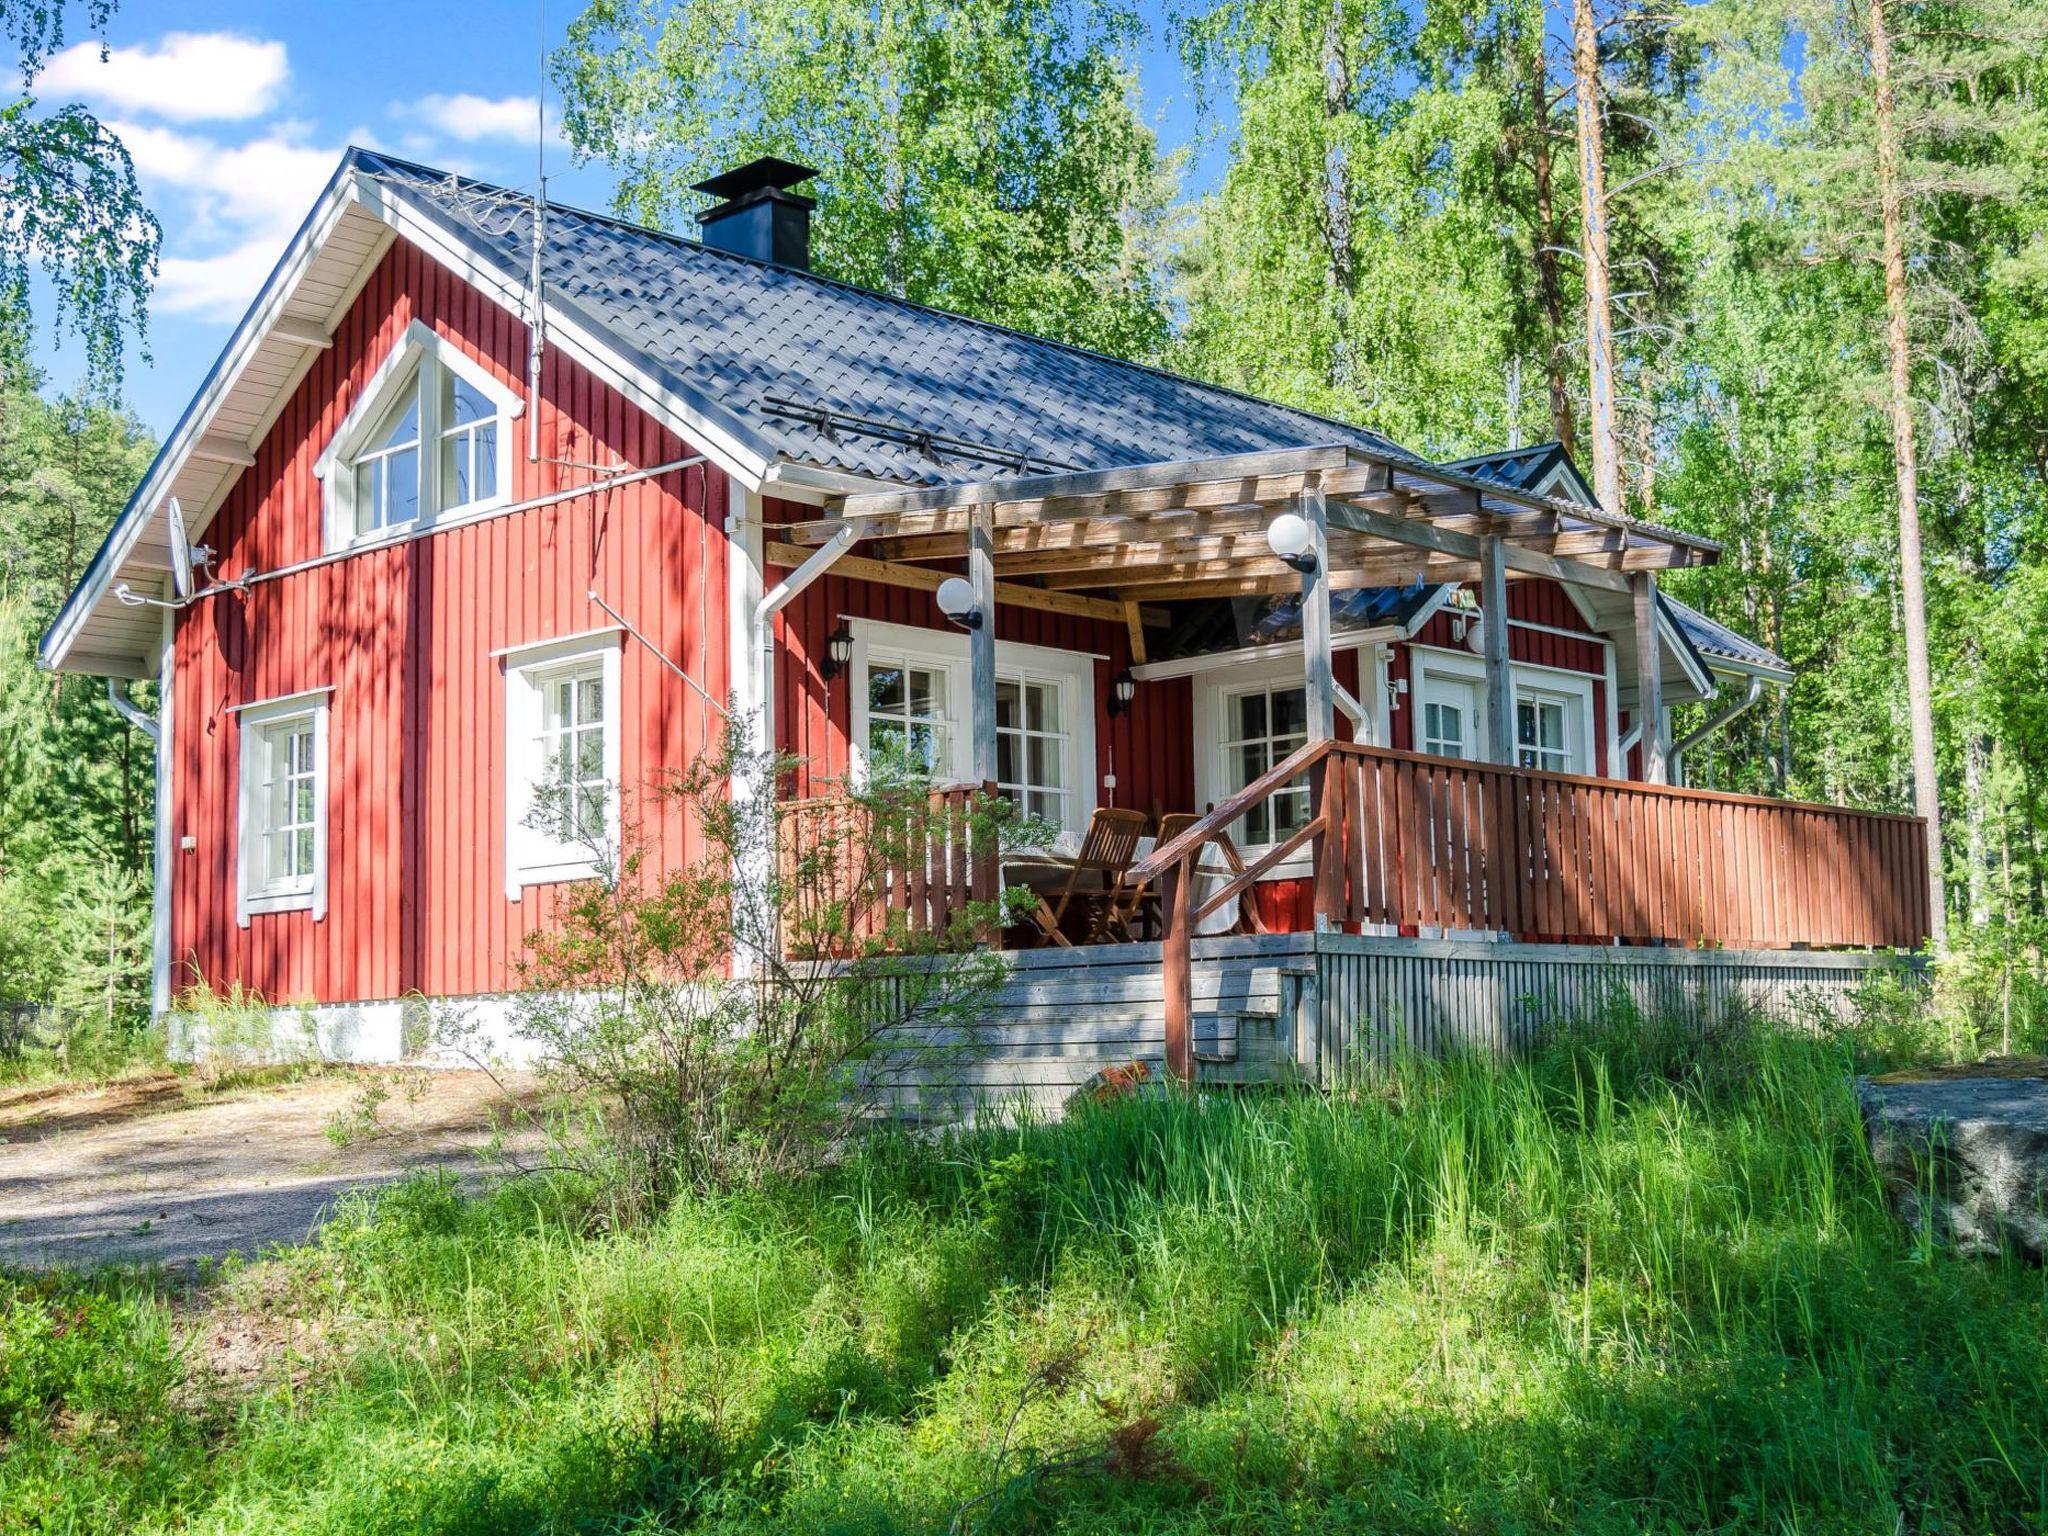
x: 760, y: 216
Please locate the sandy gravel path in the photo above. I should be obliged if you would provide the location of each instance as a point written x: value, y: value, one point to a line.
x: 167, y: 1170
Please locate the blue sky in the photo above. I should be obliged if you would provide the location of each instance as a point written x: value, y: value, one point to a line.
x: 236, y: 114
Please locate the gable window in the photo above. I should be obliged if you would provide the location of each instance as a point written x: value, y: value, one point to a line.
x: 561, y: 759
x: 910, y: 704
x: 282, y: 852
x: 428, y: 438
x: 1263, y: 727
x: 387, y: 488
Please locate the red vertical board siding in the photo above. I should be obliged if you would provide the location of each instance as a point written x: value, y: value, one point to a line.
x: 1147, y: 749
x: 403, y: 635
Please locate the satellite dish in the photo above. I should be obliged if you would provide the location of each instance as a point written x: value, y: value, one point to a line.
x: 182, y: 579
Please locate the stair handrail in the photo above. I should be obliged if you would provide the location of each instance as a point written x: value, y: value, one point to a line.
x: 1163, y: 858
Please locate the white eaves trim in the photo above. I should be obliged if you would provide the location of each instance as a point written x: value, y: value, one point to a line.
x: 350, y: 187
x: 234, y: 360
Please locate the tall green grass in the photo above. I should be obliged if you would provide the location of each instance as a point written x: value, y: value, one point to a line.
x: 1640, y: 1283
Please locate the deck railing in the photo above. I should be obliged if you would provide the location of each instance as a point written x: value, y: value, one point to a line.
x: 880, y: 869
x: 1408, y: 841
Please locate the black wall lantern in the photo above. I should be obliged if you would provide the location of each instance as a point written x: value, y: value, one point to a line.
x: 838, y: 652
x: 1122, y: 689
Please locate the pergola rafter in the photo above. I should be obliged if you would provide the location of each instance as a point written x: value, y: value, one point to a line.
x: 1105, y: 543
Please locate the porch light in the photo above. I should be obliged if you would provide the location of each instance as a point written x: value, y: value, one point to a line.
x: 956, y: 602
x: 838, y: 651
x: 1290, y: 537
x: 1475, y: 635
x: 1122, y: 689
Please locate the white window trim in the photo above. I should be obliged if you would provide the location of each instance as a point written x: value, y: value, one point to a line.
x: 251, y: 721
x: 1214, y: 686
x: 531, y: 859
x: 947, y: 651
x: 1573, y: 688
x: 334, y: 468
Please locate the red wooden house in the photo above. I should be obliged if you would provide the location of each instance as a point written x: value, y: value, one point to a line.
x: 463, y: 531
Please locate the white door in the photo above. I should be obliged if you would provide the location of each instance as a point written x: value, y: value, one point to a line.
x: 1451, y: 721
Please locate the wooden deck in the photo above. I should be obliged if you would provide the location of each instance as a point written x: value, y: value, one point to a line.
x: 1323, y: 1008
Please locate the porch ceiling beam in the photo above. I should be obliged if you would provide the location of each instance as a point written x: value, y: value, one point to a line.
x: 1132, y: 477
x: 1464, y: 546
x: 1103, y: 536
x: 922, y: 579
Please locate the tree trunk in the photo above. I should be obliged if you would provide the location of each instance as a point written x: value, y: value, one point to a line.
x: 1337, y: 231
x: 1593, y: 240
x: 1912, y: 574
x: 1549, y: 279
x: 1976, y: 839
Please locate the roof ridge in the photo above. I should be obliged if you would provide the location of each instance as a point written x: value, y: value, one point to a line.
x: 823, y: 280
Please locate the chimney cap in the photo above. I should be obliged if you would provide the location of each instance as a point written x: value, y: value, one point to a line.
x: 769, y: 171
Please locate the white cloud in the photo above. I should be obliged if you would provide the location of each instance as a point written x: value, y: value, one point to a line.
x: 184, y: 76
x: 240, y: 205
x: 468, y: 119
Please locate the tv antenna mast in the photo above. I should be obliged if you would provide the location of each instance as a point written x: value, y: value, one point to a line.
x: 536, y: 318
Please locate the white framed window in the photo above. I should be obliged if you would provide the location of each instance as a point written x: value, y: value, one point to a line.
x: 911, y: 696
x: 1542, y: 732
x: 1033, y: 748
x: 1262, y: 727
x: 1249, y: 716
x: 561, y: 759
x: 281, y: 851
x: 1551, y: 711
x: 429, y: 439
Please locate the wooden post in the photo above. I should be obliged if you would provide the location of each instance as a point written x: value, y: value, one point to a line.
x: 1315, y: 618
x: 1177, y: 970
x: 981, y: 643
x: 1493, y: 602
x: 981, y: 688
x: 1649, y: 677
x: 1320, y: 681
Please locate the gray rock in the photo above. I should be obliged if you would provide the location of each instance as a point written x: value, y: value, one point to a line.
x: 1965, y: 1153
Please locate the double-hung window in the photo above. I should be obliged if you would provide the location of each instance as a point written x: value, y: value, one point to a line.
x: 282, y: 853
x: 428, y: 438
x: 911, y: 703
x: 1261, y: 728
x: 562, y: 760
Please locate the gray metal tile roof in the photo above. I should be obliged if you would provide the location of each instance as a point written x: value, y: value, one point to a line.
x: 753, y: 345
x: 1519, y: 469
x: 1716, y: 641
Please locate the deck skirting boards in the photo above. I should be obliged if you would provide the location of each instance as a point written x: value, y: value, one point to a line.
x: 1304, y: 1008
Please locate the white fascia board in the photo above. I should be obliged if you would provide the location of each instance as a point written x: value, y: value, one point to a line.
x: 170, y: 461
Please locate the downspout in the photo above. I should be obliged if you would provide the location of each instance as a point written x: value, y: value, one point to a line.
x: 785, y: 592
x: 773, y: 602
x: 1728, y: 716
x: 129, y: 710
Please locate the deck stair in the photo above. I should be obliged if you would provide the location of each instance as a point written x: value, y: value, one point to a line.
x: 1063, y: 1017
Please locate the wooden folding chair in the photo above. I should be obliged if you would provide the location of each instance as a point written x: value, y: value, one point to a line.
x: 1171, y: 826
x: 1099, y: 876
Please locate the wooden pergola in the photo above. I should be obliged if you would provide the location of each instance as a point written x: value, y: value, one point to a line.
x: 1108, y: 543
